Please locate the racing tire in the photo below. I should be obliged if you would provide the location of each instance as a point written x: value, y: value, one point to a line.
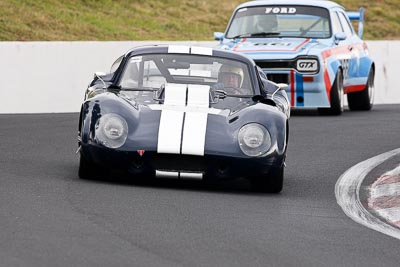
x: 363, y: 100
x: 271, y: 184
x: 337, y: 97
x: 89, y: 170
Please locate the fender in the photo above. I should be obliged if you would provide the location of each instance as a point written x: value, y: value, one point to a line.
x: 330, y: 71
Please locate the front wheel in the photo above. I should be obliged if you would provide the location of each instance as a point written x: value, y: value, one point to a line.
x: 271, y: 184
x: 89, y: 170
x: 337, y: 97
x: 363, y: 100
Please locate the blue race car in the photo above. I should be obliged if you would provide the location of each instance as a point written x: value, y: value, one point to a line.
x: 186, y: 113
x: 309, y: 45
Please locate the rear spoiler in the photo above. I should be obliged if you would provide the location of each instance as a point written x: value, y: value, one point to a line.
x: 358, y: 16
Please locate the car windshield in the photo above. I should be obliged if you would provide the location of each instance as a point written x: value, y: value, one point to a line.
x: 280, y: 21
x: 148, y: 74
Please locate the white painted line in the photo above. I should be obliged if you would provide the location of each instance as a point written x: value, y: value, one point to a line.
x: 385, y: 190
x: 347, y: 191
x: 390, y: 214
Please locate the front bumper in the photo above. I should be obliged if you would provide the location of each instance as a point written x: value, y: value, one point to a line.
x: 153, y: 164
x: 304, y: 90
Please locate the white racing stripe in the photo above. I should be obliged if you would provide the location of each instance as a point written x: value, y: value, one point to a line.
x: 347, y: 191
x: 183, y: 122
x: 171, y: 121
x: 170, y: 132
x: 191, y: 175
x: 198, y: 96
x: 194, y: 131
x: 167, y: 174
x: 197, y: 50
x: 175, y: 94
x: 179, y: 175
x: 178, y: 49
x: 187, y: 109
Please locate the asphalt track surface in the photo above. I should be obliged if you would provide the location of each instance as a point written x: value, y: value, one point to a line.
x: 49, y: 217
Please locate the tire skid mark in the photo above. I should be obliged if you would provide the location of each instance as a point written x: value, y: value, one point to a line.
x: 347, y: 192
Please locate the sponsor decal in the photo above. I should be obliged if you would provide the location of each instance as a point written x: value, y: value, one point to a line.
x: 308, y: 65
x: 274, y: 44
x: 247, y: 47
x: 140, y: 152
x: 280, y: 10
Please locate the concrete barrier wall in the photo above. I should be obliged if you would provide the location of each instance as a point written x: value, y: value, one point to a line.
x: 46, y: 77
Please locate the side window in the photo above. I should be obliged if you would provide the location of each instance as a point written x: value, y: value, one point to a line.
x: 337, y: 27
x: 116, y: 64
x: 260, y: 75
x: 348, y: 29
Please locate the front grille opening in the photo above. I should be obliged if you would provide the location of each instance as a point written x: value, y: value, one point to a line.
x: 275, y: 64
x: 278, y: 78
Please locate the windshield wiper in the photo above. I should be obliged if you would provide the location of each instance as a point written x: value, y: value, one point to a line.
x: 247, y: 35
x: 264, y: 34
x: 240, y: 36
x: 222, y: 94
x: 120, y: 88
x: 139, y: 89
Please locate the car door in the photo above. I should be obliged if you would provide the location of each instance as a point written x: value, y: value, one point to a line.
x: 351, y: 65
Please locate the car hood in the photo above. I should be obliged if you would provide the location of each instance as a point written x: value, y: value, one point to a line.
x: 155, y: 127
x: 276, y: 48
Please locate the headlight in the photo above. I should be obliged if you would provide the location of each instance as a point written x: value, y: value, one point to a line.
x: 307, y: 65
x: 111, y: 130
x: 254, y: 139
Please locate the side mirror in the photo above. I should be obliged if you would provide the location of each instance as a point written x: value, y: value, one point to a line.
x: 218, y: 36
x: 340, y: 37
x: 282, y: 86
x: 99, y: 73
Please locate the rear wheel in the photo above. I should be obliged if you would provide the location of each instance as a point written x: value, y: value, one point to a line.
x: 363, y: 100
x: 271, y: 184
x: 337, y: 97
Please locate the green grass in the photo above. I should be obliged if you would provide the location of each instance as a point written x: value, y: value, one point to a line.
x: 106, y: 20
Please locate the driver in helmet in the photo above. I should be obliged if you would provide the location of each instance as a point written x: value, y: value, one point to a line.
x: 231, y: 76
x: 230, y: 79
x: 266, y: 23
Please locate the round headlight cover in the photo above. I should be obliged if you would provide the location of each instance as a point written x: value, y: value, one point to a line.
x: 254, y: 139
x: 111, y: 130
